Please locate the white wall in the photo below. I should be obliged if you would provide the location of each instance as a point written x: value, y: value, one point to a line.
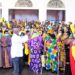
x: 0, y: 13
x: 41, y: 5
x: 70, y: 10
x: 1, y: 9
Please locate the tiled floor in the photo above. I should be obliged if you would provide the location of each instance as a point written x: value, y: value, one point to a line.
x: 25, y: 72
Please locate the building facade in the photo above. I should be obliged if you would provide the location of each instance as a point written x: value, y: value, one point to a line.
x: 52, y: 10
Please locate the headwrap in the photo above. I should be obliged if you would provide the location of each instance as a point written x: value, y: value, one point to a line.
x: 8, y: 25
x: 72, y: 28
x: 35, y: 35
x: 37, y: 25
x: 50, y: 31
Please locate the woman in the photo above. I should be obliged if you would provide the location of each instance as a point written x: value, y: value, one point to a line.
x: 9, y: 47
x: 60, y: 44
x: 50, y: 48
x: 72, y: 54
x: 5, y: 54
x: 67, y: 54
x: 35, y: 46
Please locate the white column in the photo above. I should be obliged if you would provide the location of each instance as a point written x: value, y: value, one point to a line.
x: 5, y: 5
x: 5, y: 13
x: 70, y: 12
x: 42, y: 14
x: 70, y: 16
x: 0, y: 12
x: 42, y: 10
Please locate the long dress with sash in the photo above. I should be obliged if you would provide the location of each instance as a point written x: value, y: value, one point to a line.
x: 35, y: 46
x: 67, y: 55
x: 72, y: 56
x: 51, y: 53
x: 9, y: 49
x: 5, y: 54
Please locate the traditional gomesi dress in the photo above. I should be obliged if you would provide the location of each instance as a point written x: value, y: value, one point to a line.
x: 9, y: 49
x: 72, y: 49
x: 60, y: 44
x: 51, y: 53
x: 5, y: 53
x: 72, y: 56
x: 67, y: 55
x: 35, y: 45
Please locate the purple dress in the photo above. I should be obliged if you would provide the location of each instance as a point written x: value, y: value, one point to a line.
x: 5, y: 54
x: 35, y: 46
x: 9, y: 49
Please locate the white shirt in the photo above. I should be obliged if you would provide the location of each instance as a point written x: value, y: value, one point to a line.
x: 17, y: 45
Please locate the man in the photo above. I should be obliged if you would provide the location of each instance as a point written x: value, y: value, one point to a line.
x: 17, y: 50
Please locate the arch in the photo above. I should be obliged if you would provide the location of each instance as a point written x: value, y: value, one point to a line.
x: 55, y: 4
x: 23, y: 3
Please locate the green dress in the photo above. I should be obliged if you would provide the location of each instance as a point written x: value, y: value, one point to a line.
x: 51, y: 53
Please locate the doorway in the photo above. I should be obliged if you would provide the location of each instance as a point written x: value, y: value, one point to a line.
x: 23, y: 14
x: 55, y: 16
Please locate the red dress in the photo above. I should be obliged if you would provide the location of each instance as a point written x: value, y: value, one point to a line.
x: 72, y: 60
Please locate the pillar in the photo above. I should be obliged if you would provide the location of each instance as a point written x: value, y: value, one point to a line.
x: 0, y: 12
x: 70, y: 12
x: 42, y: 14
x: 42, y: 10
x: 5, y: 13
x: 70, y: 16
x: 5, y: 9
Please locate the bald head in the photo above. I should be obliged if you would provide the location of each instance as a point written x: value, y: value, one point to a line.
x: 16, y: 30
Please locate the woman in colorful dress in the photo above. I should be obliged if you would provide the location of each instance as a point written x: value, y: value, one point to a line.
x: 5, y: 55
x: 72, y: 49
x: 35, y: 46
x: 60, y: 44
x: 72, y: 56
x: 67, y: 41
x: 51, y: 51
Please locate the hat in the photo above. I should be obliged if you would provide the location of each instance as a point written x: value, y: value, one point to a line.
x: 37, y: 26
x: 72, y: 28
x: 50, y: 31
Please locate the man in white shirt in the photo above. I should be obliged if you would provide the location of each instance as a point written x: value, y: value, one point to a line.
x: 17, y: 50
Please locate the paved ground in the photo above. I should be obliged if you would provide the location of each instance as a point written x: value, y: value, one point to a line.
x: 25, y: 72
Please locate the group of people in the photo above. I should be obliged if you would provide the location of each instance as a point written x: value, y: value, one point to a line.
x: 47, y: 45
